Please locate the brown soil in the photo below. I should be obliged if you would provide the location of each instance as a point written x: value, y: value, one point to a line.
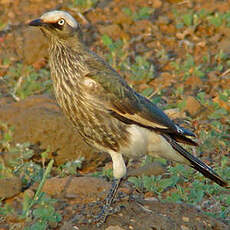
x: 80, y: 200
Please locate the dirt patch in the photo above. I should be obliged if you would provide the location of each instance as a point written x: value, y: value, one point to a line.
x: 80, y: 200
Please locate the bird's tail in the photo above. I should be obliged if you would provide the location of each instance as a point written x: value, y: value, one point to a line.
x: 196, y: 163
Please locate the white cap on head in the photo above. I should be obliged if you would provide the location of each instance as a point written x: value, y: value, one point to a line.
x: 55, y: 15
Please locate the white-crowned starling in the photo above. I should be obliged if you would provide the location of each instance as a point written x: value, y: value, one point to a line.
x: 106, y: 111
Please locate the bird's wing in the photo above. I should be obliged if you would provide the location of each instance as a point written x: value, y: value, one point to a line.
x: 124, y: 103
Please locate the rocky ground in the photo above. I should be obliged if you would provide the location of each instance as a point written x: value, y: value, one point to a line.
x: 175, y: 52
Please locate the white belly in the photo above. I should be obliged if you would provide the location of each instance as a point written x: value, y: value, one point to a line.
x: 138, y: 144
x: 144, y: 141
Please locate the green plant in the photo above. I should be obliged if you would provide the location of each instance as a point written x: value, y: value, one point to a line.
x: 216, y: 19
x: 40, y: 208
x: 107, y: 173
x: 6, y: 137
x: 83, y: 4
x: 138, y: 70
x: 38, y: 211
x: 142, y: 70
x: 192, y: 18
x: 6, y: 209
x: 188, y: 67
x: 115, y: 50
x: 198, y: 190
x: 70, y: 167
x: 142, y: 13
x: 24, y: 81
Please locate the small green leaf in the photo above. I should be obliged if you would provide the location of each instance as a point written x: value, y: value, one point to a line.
x: 188, y: 19
x: 147, y: 92
x: 127, y: 11
x: 106, y: 40
x: 168, y: 182
x: 40, y: 225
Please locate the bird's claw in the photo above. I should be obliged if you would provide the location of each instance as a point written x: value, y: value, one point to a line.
x: 105, y: 212
x: 102, y: 216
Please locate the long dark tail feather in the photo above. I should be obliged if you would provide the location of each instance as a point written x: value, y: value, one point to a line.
x: 182, y: 139
x: 196, y: 163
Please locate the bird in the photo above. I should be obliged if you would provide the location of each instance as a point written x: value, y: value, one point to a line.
x: 109, y: 114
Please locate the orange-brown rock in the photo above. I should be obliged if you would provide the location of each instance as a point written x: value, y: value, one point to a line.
x: 10, y: 187
x: 38, y: 120
x: 193, y: 107
x: 79, y: 189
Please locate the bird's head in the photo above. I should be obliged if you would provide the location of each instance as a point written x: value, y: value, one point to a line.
x: 58, y: 24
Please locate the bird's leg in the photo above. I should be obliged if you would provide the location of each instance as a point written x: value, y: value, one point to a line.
x: 112, y: 193
x: 106, y: 209
x: 119, y: 171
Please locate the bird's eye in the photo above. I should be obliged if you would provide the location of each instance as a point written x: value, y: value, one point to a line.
x: 61, y: 22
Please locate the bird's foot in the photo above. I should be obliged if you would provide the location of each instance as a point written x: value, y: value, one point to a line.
x: 107, y: 210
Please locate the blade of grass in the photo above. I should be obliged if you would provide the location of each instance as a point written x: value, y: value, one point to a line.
x: 39, y: 190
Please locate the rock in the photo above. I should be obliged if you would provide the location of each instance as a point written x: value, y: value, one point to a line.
x: 175, y: 113
x: 193, y: 82
x: 224, y: 45
x: 113, y: 31
x: 25, y: 44
x: 114, y: 228
x: 38, y: 120
x: 19, y: 41
x: 193, y: 107
x: 10, y: 187
x: 222, y: 103
x: 154, y: 168
x: 68, y: 226
x: 145, y: 215
x: 17, y: 12
x: 81, y: 190
x: 156, y: 3
x: 34, y: 46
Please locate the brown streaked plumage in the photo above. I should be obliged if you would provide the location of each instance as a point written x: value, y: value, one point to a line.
x: 108, y: 113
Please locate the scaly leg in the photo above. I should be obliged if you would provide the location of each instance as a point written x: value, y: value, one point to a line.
x: 106, y: 209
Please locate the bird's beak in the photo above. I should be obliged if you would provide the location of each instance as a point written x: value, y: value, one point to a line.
x: 36, y: 22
